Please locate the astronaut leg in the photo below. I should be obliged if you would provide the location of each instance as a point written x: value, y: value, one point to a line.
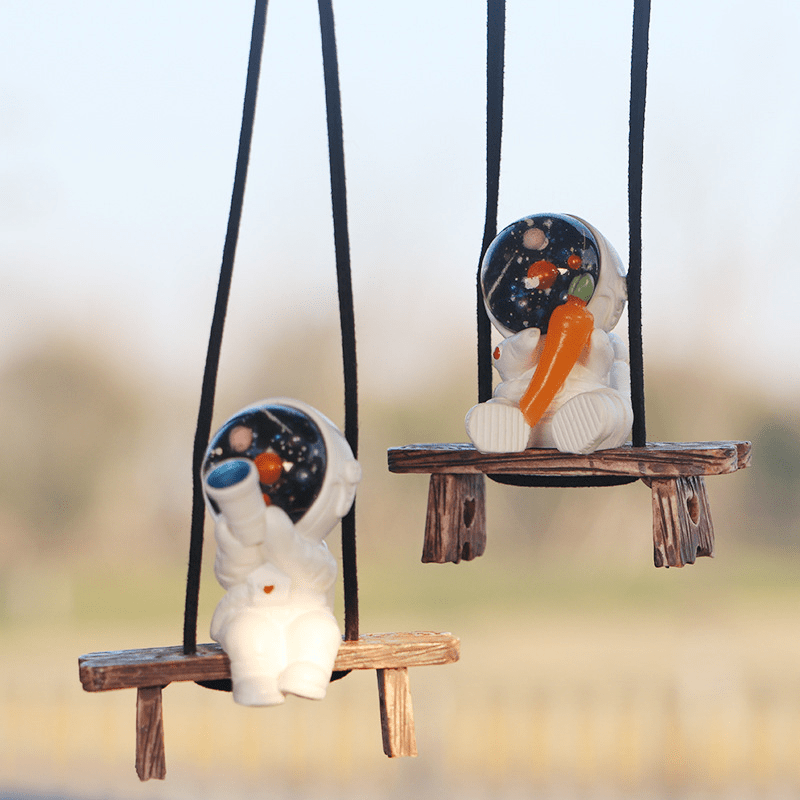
x: 595, y: 420
x: 255, y: 645
x: 497, y: 426
x: 312, y: 642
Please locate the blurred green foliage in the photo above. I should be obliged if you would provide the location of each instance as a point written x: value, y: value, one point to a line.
x: 68, y: 419
x: 82, y: 435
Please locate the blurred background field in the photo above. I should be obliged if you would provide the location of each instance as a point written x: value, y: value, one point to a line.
x: 585, y: 672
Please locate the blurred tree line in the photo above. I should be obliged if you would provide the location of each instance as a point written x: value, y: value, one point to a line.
x: 96, y: 460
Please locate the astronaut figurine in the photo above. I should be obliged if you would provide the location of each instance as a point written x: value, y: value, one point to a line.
x: 278, y: 476
x: 554, y: 287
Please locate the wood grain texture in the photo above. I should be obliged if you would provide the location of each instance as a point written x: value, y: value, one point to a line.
x: 150, y: 757
x: 455, y: 525
x: 744, y: 450
x: 397, y: 713
x: 159, y: 666
x: 682, y: 527
x: 655, y: 459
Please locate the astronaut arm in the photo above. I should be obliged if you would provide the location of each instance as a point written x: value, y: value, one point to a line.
x: 599, y: 356
x: 516, y: 354
x: 234, y: 561
x: 620, y: 377
x: 308, y: 563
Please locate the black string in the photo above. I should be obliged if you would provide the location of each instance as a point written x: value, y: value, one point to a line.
x: 208, y: 391
x: 495, y: 67
x: 346, y: 311
x: 641, y: 27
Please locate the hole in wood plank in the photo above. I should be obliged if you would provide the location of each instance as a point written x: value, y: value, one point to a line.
x: 469, y: 511
x: 693, y: 507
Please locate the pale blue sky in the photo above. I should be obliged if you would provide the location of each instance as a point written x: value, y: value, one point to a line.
x: 118, y: 136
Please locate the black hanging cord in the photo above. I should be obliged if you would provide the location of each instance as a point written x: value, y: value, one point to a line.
x: 641, y: 27
x: 346, y: 312
x: 495, y: 67
x: 206, y: 410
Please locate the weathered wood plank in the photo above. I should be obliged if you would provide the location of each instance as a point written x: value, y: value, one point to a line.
x: 455, y: 525
x: 655, y: 459
x: 125, y: 669
x: 682, y: 526
x: 150, y: 758
x: 744, y: 449
x: 394, y: 650
x: 157, y: 666
x: 397, y: 713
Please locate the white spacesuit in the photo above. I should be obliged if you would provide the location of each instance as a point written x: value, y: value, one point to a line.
x: 278, y: 477
x: 535, y: 265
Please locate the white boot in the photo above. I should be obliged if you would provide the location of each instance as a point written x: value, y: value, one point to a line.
x: 596, y: 420
x: 257, y: 691
x: 497, y: 427
x: 305, y: 679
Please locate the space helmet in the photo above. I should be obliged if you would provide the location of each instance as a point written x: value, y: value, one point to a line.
x: 297, y: 458
x: 531, y: 266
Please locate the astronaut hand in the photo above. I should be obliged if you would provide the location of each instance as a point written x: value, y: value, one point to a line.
x: 281, y: 540
x: 620, y: 348
x: 599, y: 356
x: 224, y: 536
x: 250, y: 531
x: 515, y: 355
x: 620, y: 378
x: 234, y: 560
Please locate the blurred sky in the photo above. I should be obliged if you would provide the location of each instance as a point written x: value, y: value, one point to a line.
x: 118, y: 136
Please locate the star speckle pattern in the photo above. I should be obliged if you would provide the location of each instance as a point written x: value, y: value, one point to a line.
x: 276, y: 435
x: 519, y: 299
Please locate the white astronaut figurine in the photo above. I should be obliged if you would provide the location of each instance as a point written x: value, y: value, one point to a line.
x: 278, y: 476
x: 554, y: 287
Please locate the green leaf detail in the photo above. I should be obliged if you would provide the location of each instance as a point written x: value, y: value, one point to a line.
x: 582, y: 287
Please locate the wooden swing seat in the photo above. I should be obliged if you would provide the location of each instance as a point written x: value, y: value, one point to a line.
x: 455, y: 526
x: 150, y: 670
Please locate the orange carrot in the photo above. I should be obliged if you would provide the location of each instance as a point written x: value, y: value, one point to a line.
x: 568, y: 332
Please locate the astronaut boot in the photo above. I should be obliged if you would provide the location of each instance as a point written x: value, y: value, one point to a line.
x: 304, y: 679
x: 596, y: 420
x: 497, y: 427
x: 257, y: 691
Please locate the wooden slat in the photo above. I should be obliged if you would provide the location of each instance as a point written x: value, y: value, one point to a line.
x: 455, y: 526
x: 397, y: 713
x: 655, y: 460
x: 743, y: 449
x: 125, y: 669
x: 682, y: 526
x: 394, y: 650
x: 150, y: 758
